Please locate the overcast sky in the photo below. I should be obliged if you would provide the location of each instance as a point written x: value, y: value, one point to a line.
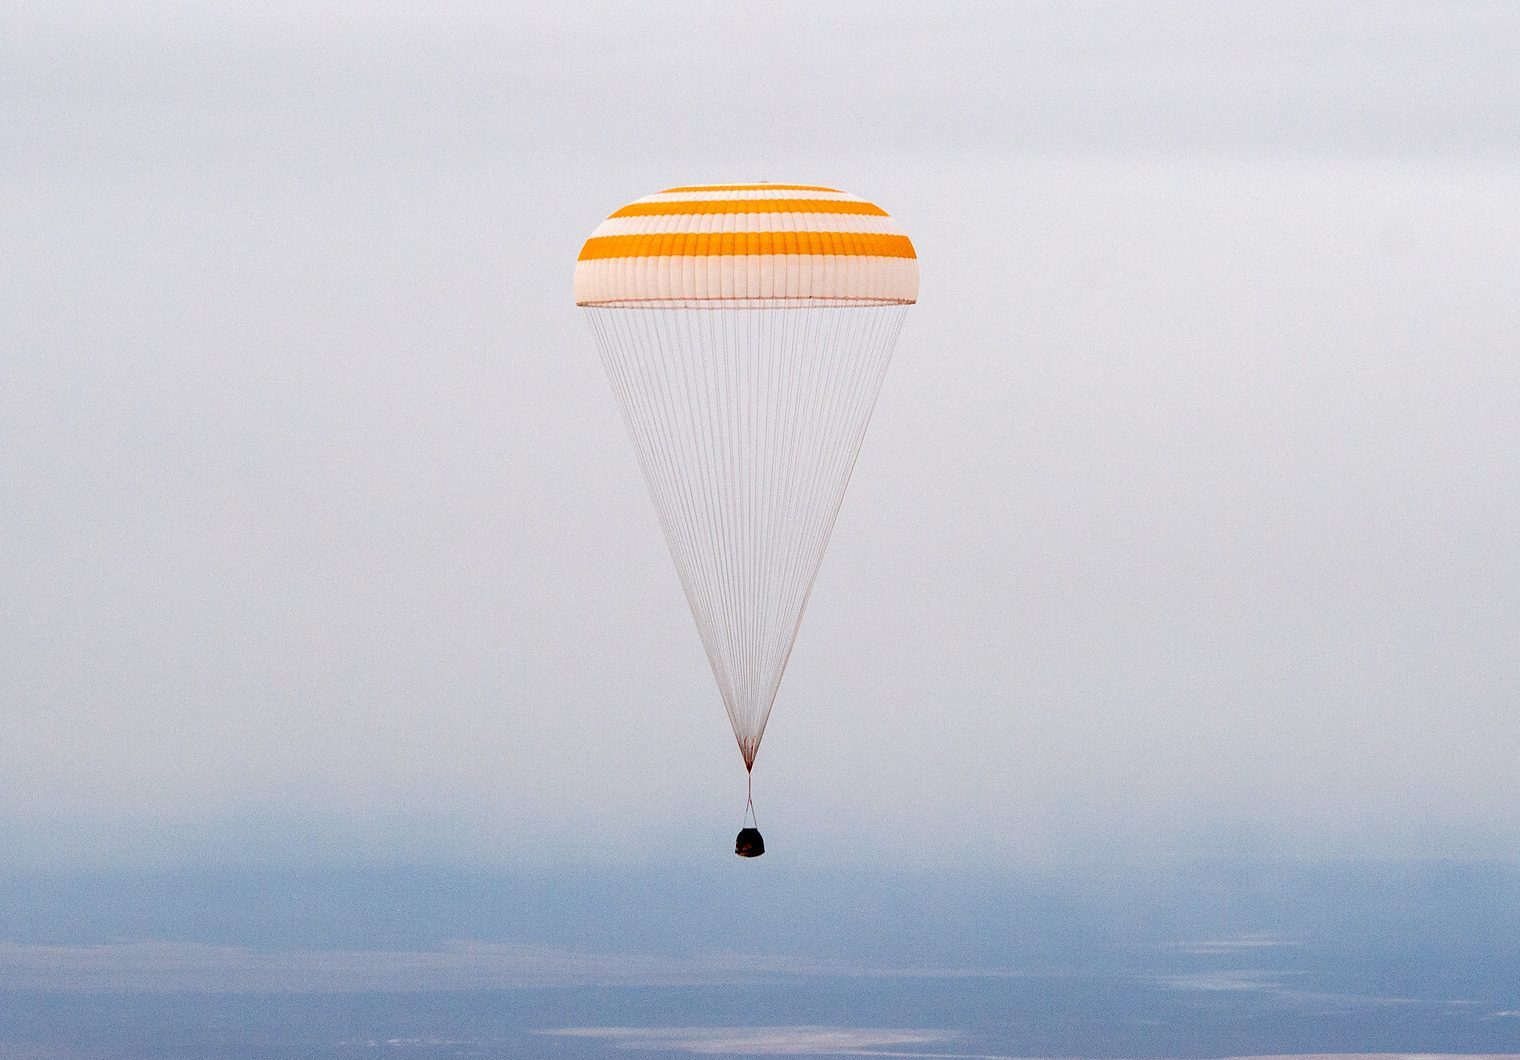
x: 1187, y: 522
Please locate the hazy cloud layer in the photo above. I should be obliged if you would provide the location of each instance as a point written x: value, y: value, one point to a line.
x: 764, y: 1041
x: 173, y: 967
x: 841, y: 1041
x: 1187, y: 520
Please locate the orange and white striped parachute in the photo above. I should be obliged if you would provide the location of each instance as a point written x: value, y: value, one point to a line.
x: 746, y: 329
x: 728, y: 242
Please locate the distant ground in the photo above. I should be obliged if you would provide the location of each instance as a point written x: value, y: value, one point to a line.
x: 340, y: 962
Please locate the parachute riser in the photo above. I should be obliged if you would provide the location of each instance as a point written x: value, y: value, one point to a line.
x: 749, y: 843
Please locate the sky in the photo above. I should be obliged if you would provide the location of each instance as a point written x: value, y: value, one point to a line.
x: 1186, y: 524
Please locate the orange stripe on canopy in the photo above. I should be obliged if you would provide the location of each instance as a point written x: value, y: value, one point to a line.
x: 650, y: 209
x: 704, y: 244
x: 750, y: 187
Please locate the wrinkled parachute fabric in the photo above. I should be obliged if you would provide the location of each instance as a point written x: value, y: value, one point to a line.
x: 746, y: 330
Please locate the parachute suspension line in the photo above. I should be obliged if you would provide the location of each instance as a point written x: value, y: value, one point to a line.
x: 747, y: 423
x: 750, y: 818
x: 856, y: 401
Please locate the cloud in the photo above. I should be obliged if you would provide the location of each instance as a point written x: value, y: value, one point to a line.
x: 29, y: 1051
x: 1235, y: 943
x: 1210, y: 982
x: 865, y: 1041
x: 168, y: 967
x: 763, y: 1041
x: 1273, y: 984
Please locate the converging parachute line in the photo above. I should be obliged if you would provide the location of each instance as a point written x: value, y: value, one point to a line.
x: 746, y: 329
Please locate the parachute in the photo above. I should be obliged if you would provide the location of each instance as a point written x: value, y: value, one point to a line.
x: 746, y: 329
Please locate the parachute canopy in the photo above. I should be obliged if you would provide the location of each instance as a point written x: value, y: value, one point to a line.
x: 728, y: 242
x: 746, y: 329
